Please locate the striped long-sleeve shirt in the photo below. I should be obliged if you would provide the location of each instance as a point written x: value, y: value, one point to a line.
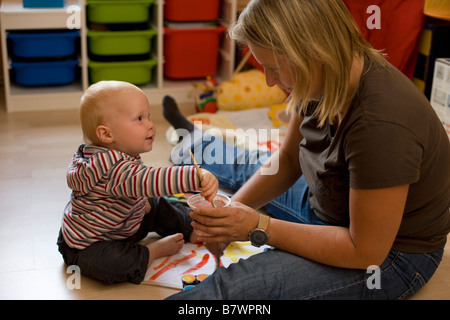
x: 109, y: 191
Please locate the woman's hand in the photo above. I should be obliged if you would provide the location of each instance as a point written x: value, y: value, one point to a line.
x: 227, y: 224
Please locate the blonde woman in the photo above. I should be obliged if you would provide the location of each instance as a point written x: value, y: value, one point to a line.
x: 371, y: 153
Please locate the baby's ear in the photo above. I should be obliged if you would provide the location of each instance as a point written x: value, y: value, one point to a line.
x: 104, y: 134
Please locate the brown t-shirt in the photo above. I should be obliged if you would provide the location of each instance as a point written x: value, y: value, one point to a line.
x: 390, y: 136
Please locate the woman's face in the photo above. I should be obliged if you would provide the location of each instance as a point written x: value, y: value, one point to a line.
x: 276, y: 68
x: 279, y: 71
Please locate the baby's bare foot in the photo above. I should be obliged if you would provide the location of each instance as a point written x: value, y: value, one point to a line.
x: 165, y: 247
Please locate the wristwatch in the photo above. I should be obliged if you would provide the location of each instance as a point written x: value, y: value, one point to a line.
x: 259, y: 237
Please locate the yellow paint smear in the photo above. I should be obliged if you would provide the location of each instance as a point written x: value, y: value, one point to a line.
x: 236, y: 250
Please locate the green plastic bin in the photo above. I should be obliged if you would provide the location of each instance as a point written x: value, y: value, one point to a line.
x: 107, y: 43
x: 136, y: 72
x: 118, y: 11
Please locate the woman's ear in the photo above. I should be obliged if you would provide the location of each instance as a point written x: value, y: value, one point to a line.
x: 104, y: 134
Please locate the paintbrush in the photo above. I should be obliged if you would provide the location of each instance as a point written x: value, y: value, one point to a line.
x: 200, y: 177
x: 199, y: 173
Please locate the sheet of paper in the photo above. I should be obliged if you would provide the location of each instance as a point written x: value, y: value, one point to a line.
x: 195, y: 259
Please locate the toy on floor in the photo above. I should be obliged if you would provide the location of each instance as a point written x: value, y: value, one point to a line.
x: 206, y: 96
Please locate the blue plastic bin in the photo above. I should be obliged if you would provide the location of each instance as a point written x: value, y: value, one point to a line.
x: 46, y: 44
x: 43, y: 3
x: 44, y: 73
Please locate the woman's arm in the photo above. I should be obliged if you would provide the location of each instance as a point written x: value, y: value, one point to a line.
x: 283, y: 168
x: 375, y: 217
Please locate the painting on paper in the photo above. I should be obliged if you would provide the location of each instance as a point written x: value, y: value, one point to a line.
x: 195, y: 259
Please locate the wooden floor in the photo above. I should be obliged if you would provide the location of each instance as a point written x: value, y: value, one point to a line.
x: 36, y: 148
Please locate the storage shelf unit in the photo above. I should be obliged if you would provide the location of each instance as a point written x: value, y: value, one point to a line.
x: 13, y: 16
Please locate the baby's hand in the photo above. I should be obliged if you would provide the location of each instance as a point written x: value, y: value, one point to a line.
x: 148, y: 207
x: 210, y: 185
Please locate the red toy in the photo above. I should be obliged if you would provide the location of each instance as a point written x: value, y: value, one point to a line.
x: 206, y: 95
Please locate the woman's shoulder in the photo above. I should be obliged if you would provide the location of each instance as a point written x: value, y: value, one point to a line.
x: 387, y: 95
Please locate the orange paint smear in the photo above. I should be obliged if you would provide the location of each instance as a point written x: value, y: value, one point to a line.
x: 162, y: 263
x: 199, y: 265
x: 173, y: 265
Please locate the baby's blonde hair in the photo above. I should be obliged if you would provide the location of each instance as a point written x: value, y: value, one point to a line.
x: 94, y: 104
x: 308, y: 33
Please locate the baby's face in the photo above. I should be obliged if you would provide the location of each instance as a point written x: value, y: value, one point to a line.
x: 130, y: 123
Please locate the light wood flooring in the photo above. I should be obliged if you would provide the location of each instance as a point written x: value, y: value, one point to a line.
x: 36, y: 148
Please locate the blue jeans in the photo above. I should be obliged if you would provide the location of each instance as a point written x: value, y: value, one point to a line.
x: 277, y: 274
x: 234, y: 166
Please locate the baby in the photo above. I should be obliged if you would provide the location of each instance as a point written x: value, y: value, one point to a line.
x: 116, y: 199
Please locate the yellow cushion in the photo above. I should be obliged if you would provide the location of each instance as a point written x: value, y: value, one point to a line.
x: 248, y: 90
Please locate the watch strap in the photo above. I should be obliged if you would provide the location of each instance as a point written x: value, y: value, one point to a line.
x: 263, y: 222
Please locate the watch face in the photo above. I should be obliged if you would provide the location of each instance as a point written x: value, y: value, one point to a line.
x: 258, y: 237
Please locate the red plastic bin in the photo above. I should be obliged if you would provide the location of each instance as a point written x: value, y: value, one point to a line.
x: 191, y: 10
x: 191, y: 53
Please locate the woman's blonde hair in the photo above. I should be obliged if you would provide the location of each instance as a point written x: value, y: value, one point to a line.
x: 308, y: 33
x: 94, y: 105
